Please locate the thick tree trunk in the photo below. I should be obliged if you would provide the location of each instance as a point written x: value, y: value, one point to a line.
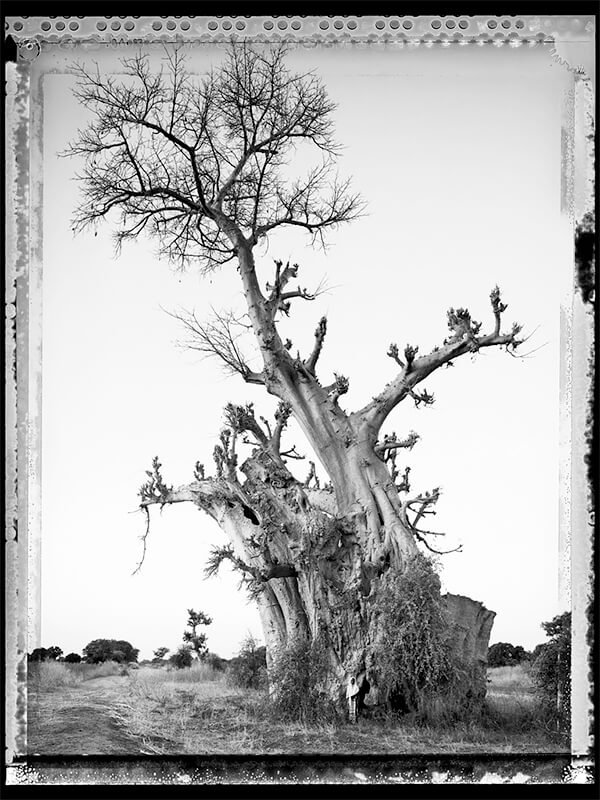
x: 313, y: 568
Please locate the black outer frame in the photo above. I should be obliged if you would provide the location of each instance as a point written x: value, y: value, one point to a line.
x: 414, y: 764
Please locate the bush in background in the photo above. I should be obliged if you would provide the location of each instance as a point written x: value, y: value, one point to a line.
x: 504, y: 654
x: 118, y: 650
x: 73, y: 658
x: 248, y: 670
x: 181, y: 658
x: 215, y: 662
x: 159, y: 655
x: 45, y: 654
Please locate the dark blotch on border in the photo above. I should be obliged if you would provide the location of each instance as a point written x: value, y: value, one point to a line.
x: 585, y: 235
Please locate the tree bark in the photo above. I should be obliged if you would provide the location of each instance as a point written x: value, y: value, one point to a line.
x: 311, y: 556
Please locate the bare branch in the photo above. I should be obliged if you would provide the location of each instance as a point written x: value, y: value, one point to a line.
x: 391, y: 442
x: 155, y: 490
x: 293, y: 454
x: 464, y: 338
x: 273, y: 568
x: 404, y: 485
x: 225, y: 456
x: 311, y: 362
x: 282, y: 416
x: 199, y: 473
x: 280, y: 300
x: 423, y: 505
x: 422, y: 397
x: 339, y: 387
x: 241, y: 419
x: 219, y: 337
x: 144, y: 539
x: 306, y: 205
x: 198, y: 163
x: 224, y: 553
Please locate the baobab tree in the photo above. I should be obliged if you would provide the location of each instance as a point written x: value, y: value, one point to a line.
x: 202, y: 165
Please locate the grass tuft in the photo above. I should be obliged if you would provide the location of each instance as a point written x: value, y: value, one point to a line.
x: 47, y: 676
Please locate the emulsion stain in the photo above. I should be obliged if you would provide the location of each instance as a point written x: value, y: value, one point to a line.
x: 585, y: 251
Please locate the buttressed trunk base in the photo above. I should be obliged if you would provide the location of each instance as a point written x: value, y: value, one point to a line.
x: 313, y: 571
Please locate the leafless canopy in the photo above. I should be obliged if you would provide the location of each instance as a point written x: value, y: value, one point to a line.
x: 179, y: 155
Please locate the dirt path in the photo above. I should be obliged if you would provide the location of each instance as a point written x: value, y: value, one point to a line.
x: 80, y: 720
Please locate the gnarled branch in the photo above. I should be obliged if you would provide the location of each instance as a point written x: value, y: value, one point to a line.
x: 391, y: 442
x: 422, y: 506
x: 464, y: 338
x: 155, y: 490
x: 320, y: 333
x: 280, y: 300
x: 339, y: 387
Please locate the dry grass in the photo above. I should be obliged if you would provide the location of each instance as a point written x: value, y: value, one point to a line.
x: 511, y: 695
x: 196, y: 711
x: 171, y: 715
x: 47, y: 676
x: 90, y: 671
x: 199, y: 672
x: 515, y: 678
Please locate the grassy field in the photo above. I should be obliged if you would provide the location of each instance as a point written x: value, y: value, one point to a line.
x: 50, y: 675
x: 196, y: 711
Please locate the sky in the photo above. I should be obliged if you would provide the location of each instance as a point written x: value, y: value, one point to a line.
x: 457, y: 153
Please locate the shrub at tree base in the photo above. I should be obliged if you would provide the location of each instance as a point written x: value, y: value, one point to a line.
x: 413, y: 661
x: 299, y: 680
x: 248, y: 670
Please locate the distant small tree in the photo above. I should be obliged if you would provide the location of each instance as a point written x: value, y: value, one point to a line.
x: 73, y: 658
x: 160, y: 653
x: 45, y: 654
x: 100, y: 650
x: 248, y: 670
x: 504, y: 654
x: 182, y: 658
x: 197, y: 641
x: 552, y: 668
x: 39, y: 654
